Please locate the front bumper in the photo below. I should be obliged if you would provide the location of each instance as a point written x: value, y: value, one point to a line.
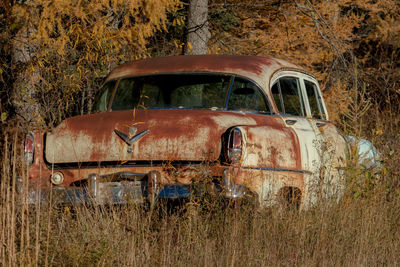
x: 139, y: 188
x: 116, y: 195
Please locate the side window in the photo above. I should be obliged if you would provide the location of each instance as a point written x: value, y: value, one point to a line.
x: 314, y: 98
x: 291, y: 102
x: 246, y: 96
x: 276, y: 94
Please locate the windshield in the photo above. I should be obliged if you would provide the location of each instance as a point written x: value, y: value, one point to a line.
x: 194, y: 91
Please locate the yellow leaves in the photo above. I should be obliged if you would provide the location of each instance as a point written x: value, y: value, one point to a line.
x: 379, y: 131
x: 61, y: 46
x: 387, y: 28
x: 3, y: 117
x: 73, y: 42
x: 59, y: 24
x: 39, y: 119
x: 179, y: 21
x: 189, y: 46
x: 64, y: 25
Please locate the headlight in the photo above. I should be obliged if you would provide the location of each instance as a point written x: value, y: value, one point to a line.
x: 57, y: 178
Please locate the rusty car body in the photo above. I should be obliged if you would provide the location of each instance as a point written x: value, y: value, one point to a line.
x: 243, y: 125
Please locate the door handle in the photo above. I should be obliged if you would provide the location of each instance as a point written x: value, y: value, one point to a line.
x: 290, y: 122
x: 320, y: 124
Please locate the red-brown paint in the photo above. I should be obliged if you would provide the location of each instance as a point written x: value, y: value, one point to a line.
x: 175, y: 134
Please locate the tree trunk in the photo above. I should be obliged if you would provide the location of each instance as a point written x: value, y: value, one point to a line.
x: 198, y: 33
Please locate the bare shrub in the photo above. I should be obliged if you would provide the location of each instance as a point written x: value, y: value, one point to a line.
x: 355, y: 231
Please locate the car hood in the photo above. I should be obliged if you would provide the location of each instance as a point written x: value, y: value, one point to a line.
x: 163, y: 135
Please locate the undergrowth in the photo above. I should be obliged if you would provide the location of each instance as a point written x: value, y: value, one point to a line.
x: 360, y: 230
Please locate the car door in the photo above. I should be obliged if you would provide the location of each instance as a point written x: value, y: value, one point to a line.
x: 292, y: 104
x: 332, y: 143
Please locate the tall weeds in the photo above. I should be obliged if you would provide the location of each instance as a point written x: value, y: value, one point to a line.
x: 362, y: 231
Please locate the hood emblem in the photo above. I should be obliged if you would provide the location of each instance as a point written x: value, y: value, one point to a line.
x: 131, y: 138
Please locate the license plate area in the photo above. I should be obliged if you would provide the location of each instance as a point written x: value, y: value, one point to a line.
x: 120, y: 192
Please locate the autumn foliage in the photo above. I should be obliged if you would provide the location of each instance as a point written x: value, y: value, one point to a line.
x: 351, y: 46
x: 72, y: 45
x: 55, y: 53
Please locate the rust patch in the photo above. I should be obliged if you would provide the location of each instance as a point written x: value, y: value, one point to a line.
x: 268, y: 183
x: 272, y: 147
x: 255, y: 68
x: 173, y: 135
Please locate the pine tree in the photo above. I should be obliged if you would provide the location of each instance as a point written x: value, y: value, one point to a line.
x: 64, y: 46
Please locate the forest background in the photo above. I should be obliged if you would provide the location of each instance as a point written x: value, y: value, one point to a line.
x: 55, y: 54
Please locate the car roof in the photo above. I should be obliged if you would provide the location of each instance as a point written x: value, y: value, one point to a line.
x: 258, y: 69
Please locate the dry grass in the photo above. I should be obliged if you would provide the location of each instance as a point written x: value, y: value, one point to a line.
x: 361, y: 231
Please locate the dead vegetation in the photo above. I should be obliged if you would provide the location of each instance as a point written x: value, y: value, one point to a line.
x: 362, y: 229
x: 352, y: 46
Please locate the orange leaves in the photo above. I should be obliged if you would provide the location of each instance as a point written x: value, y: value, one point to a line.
x: 389, y: 29
x: 117, y: 26
x: 328, y: 37
x: 70, y: 43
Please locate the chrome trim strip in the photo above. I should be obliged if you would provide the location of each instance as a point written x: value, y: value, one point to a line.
x: 119, y: 164
x: 275, y: 169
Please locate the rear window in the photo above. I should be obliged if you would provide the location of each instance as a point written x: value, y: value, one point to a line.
x: 193, y: 91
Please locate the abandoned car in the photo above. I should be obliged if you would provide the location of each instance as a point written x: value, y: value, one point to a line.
x: 241, y: 125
